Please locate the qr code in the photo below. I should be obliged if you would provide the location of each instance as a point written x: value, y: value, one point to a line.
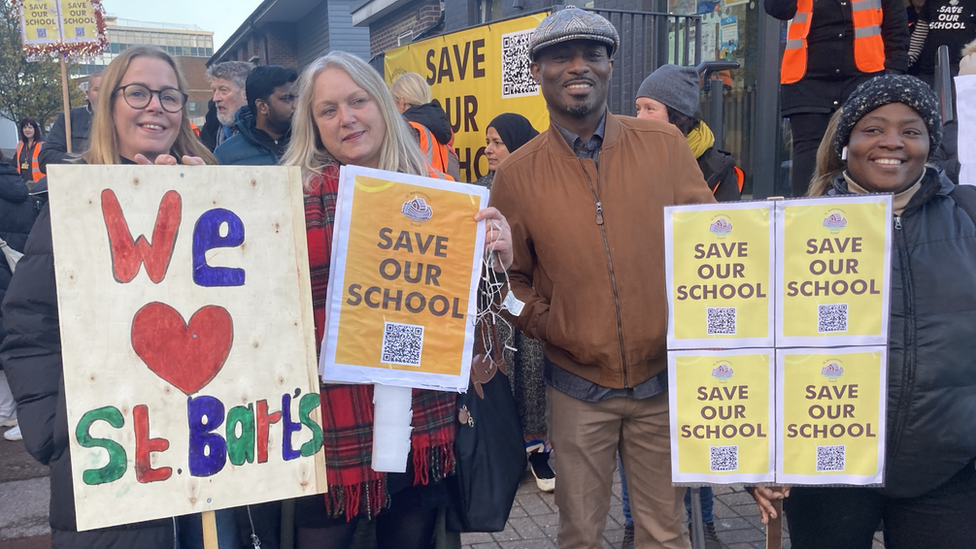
x: 516, y: 78
x: 721, y: 320
x: 830, y: 458
x: 42, y: 32
x: 402, y: 344
x: 723, y: 458
x: 832, y: 318
x: 80, y: 32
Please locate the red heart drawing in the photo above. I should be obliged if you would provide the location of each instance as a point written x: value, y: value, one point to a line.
x: 186, y: 355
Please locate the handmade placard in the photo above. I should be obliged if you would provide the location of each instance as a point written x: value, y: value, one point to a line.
x: 187, y: 339
x: 833, y: 262
x: 720, y: 273
x: 722, y: 411
x: 406, y: 260
x: 830, y: 407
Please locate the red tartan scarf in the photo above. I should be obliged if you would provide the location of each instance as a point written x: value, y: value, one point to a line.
x: 347, y: 410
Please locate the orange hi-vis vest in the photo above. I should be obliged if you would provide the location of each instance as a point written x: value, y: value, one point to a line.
x: 35, y: 168
x: 435, y: 154
x: 869, y: 55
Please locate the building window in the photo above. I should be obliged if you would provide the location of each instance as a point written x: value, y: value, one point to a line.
x: 405, y: 38
x: 490, y: 10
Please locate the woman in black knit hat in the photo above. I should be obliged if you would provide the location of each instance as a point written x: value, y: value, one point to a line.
x: 885, y: 134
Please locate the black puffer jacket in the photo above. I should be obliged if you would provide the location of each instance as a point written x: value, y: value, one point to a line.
x: 718, y: 167
x: 931, y: 348
x: 433, y: 117
x: 31, y: 355
x: 17, y: 209
x: 17, y: 213
x: 55, y: 149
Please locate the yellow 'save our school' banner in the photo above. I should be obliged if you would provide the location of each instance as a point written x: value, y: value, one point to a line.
x: 720, y: 274
x: 807, y: 282
x: 831, y: 415
x: 476, y: 74
x: 50, y: 21
x: 406, y: 259
x: 722, y: 430
x: 833, y: 271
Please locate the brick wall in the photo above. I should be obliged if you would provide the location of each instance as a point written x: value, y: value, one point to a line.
x: 417, y: 17
x: 282, y: 49
x: 272, y: 44
x: 195, y: 71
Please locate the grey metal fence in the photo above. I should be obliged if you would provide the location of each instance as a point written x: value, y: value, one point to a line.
x: 647, y: 41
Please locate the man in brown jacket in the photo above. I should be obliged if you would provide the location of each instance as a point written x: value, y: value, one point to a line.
x: 585, y: 202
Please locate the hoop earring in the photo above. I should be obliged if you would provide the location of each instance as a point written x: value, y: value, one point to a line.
x: 843, y: 154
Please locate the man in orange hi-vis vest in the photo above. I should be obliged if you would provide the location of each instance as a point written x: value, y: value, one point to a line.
x: 831, y: 47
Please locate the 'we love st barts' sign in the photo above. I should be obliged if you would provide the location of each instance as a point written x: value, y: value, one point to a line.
x: 187, y: 339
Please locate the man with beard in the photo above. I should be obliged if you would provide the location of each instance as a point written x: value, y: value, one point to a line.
x: 55, y: 150
x: 263, y: 125
x: 585, y: 202
x: 227, y: 82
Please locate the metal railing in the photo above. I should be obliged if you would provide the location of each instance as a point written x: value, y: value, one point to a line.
x: 647, y: 41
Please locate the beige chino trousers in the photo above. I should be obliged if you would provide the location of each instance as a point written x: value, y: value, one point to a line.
x: 586, y: 437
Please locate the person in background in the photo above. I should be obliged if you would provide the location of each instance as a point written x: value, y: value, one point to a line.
x: 886, y: 131
x: 946, y: 157
x: 263, y: 125
x: 950, y: 23
x: 17, y: 213
x: 146, y: 86
x: 227, y: 80
x: 211, y: 126
x: 505, y: 134
x: 346, y: 116
x: 671, y: 94
x: 913, y: 12
x: 28, y: 149
x: 829, y: 52
x: 587, y: 225
x: 412, y: 96
x: 55, y: 149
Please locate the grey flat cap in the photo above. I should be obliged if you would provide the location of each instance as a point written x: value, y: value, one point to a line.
x: 572, y: 23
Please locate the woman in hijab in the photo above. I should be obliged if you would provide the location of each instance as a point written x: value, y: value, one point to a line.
x: 504, y: 135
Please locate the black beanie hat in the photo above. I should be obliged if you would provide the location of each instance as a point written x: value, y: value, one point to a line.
x: 514, y: 129
x: 884, y: 90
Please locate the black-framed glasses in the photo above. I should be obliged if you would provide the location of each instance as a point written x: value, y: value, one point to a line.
x: 138, y: 96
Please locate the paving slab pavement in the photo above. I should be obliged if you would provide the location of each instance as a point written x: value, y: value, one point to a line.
x: 534, y: 521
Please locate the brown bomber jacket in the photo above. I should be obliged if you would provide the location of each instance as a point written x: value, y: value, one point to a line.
x: 595, y: 294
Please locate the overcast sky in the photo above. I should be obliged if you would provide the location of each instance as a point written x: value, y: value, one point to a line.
x: 220, y: 16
